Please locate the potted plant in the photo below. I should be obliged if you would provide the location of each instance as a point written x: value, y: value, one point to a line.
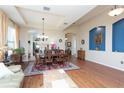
x: 17, y: 54
x: 20, y: 51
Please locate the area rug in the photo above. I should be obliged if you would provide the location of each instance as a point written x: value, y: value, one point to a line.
x: 57, y: 79
x: 31, y: 69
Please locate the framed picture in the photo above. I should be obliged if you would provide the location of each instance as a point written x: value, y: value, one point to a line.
x: 68, y: 44
x: 60, y: 40
x: 82, y: 42
x: 97, y: 38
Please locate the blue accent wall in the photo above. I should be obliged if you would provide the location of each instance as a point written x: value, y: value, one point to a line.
x: 91, y: 40
x: 118, y: 36
x: 94, y: 32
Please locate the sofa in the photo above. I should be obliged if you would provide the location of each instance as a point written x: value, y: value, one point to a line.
x: 11, y: 76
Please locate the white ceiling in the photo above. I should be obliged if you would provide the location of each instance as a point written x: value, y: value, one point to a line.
x: 31, y: 16
x: 97, y: 11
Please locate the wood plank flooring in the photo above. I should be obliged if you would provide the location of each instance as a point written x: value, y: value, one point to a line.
x: 33, y: 81
x: 90, y: 75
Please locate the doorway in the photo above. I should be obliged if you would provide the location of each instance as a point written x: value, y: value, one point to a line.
x: 72, y: 40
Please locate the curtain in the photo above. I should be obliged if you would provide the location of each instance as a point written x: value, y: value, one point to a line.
x: 5, y: 22
x: 17, y: 36
x: 0, y: 30
x: 3, y: 29
x: 13, y: 35
x: 3, y: 32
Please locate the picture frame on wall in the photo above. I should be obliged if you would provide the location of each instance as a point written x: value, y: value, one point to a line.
x: 68, y: 44
x: 60, y: 40
x: 82, y: 41
x: 97, y: 38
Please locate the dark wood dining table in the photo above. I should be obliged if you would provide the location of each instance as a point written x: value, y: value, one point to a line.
x: 53, y: 55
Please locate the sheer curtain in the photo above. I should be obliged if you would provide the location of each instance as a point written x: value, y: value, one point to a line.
x: 0, y: 30
x: 17, y: 35
x: 9, y: 32
x: 3, y: 33
x: 11, y: 37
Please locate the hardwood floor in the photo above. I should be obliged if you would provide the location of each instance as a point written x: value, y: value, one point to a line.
x: 90, y: 75
x: 33, y: 81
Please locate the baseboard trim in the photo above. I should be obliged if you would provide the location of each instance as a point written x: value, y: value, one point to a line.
x: 108, y: 65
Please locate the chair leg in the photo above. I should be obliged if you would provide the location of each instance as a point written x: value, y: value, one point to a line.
x: 55, y: 64
x: 64, y: 64
x: 61, y: 64
x: 49, y: 65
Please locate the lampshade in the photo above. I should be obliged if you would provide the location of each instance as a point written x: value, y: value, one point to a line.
x: 116, y: 12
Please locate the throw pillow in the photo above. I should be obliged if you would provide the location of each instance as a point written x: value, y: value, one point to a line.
x: 15, y: 68
x: 4, y: 71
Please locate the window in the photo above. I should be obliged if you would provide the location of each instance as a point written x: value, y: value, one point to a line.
x: 11, y: 37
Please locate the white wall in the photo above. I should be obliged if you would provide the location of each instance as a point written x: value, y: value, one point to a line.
x: 54, y: 35
x: 106, y: 57
x: 74, y: 45
x: 74, y: 34
x: 24, y: 38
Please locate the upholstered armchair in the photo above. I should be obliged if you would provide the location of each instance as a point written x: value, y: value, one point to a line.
x: 11, y: 76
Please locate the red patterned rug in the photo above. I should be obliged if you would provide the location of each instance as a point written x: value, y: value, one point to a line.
x: 39, y: 69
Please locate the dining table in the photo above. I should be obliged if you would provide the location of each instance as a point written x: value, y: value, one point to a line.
x: 42, y: 56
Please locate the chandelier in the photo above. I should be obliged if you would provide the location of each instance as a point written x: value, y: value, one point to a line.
x: 43, y: 37
x: 116, y: 11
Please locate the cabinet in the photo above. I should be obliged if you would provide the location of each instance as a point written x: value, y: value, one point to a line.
x: 81, y: 54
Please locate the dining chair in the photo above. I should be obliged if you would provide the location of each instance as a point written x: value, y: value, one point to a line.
x: 60, y: 59
x: 49, y: 59
x: 62, y: 51
x: 38, y: 59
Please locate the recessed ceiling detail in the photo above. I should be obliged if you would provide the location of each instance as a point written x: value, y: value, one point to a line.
x: 55, y: 15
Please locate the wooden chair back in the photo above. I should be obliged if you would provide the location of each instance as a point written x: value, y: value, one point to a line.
x: 37, y: 57
x: 61, y: 51
x: 49, y: 57
x: 60, y: 57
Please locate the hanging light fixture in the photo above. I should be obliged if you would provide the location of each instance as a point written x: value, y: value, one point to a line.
x: 43, y: 37
x: 116, y: 11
